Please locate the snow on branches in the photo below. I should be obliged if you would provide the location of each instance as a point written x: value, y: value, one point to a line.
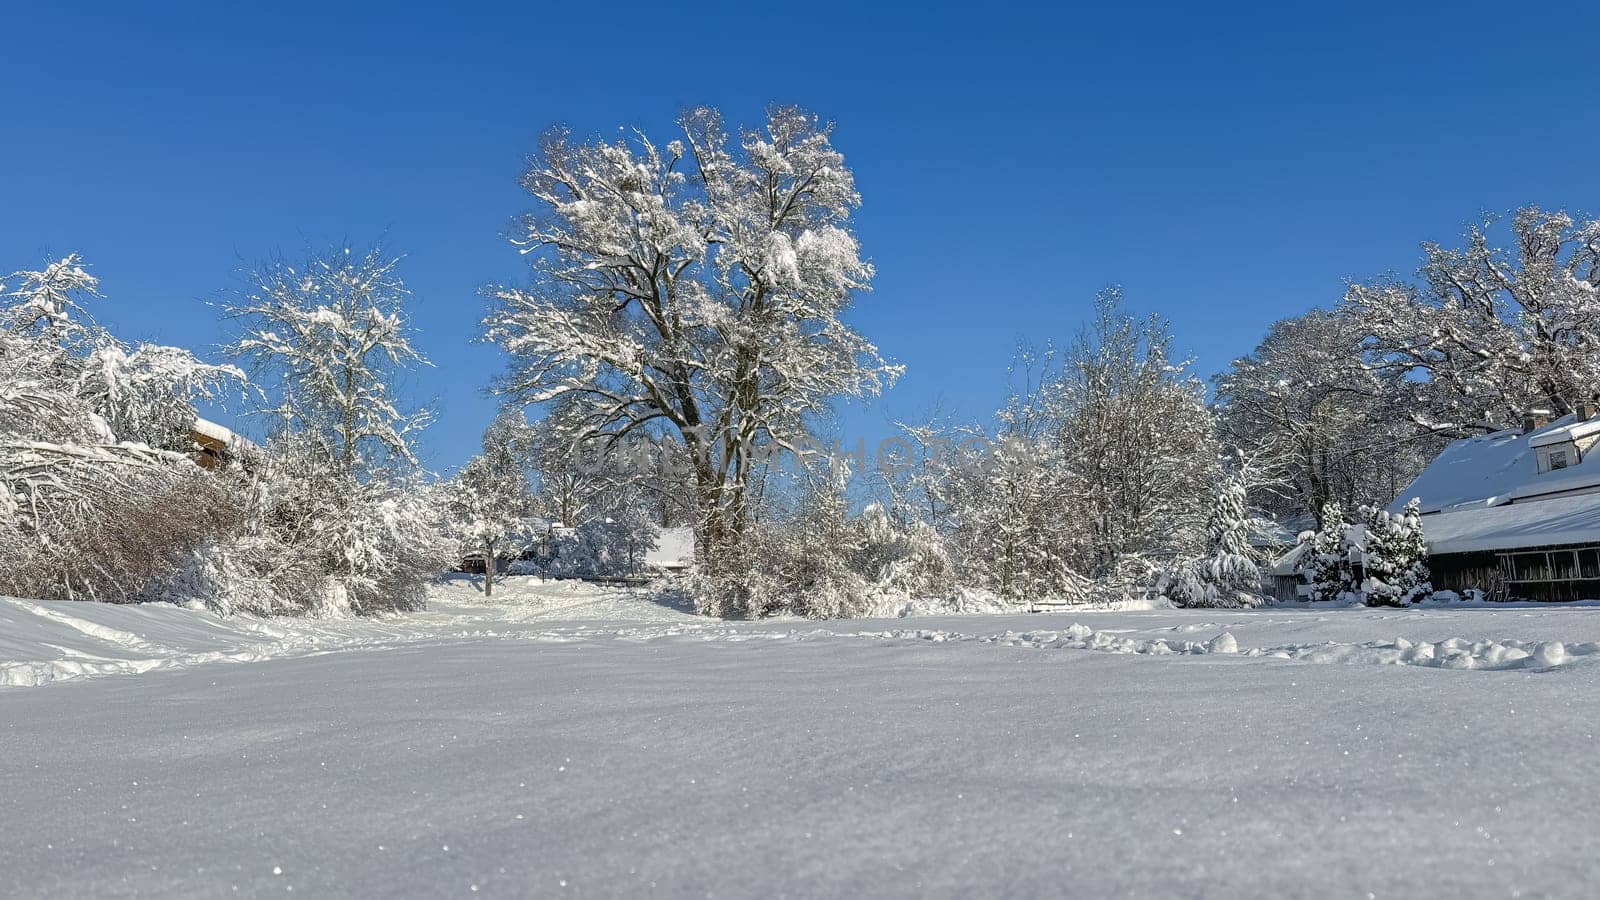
x: 90, y: 476
x: 333, y: 334
x: 1489, y: 333
x: 694, y: 290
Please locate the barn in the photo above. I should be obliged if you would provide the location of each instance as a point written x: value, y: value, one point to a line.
x: 1516, y: 513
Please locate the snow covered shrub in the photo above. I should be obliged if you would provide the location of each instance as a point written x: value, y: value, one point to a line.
x: 609, y: 547
x: 799, y: 565
x: 821, y: 562
x: 96, y: 503
x: 1325, y: 565
x: 374, y: 544
x: 901, y: 557
x: 1006, y: 515
x: 781, y: 569
x: 1229, y: 574
x: 1396, y: 557
x: 103, y: 523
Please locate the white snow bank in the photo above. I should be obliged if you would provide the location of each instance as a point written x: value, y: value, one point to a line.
x: 42, y: 643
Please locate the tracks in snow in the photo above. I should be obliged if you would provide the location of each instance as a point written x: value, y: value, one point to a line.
x: 42, y: 643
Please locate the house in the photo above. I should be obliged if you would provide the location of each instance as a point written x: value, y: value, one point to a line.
x: 212, y: 445
x: 1516, y: 513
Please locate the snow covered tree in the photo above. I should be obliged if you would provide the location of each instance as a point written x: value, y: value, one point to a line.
x: 693, y: 290
x: 1137, y: 442
x: 331, y: 336
x: 1008, y: 520
x: 1305, y: 407
x: 96, y: 501
x: 1325, y: 565
x: 1396, y: 557
x: 1229, y: 573
x: 1489, y: 333
x: 490, y: 498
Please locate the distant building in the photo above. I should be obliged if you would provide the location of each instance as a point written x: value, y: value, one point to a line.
x: 1282, y: 579
x: 213, y: 445
x: 1516, y: 513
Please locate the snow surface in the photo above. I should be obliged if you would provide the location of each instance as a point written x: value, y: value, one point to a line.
x: 571, y: 740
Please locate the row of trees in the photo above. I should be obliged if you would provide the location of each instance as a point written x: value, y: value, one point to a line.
x: 692, y: 294
x: 682, y: 339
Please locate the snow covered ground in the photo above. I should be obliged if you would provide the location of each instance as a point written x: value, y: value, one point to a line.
x: 569, y: 740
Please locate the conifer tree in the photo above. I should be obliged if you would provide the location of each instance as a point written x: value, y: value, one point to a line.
x: 1326, y: 564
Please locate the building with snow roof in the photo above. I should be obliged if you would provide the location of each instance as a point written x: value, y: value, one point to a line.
x: 212, y: 445
x: 1516, y: 513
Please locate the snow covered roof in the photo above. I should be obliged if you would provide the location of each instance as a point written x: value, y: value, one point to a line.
x: 1561, y: 434
x: 210, y: 429
x: 1573, y: 519
x: 1288, y: 564
x: 1494, y: 469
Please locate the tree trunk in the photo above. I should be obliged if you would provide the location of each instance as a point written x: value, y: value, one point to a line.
x: 488, y: 568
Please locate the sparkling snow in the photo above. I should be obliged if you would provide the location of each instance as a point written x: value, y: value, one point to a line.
x: 574, y: 740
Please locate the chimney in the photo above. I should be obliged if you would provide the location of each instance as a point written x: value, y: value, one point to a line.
x: 1535, y: 419
x: 1585, y: 410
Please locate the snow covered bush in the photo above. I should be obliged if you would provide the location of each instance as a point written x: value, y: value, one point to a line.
x: 611, y: 546
x: 901, y: 556
x: 97, y: 501
x: 1006, y: 515
x: 822, y: 562
x: 1325, y: 565
x: 798, y: 565
x: 1396, y: 571
x: 102, y: 523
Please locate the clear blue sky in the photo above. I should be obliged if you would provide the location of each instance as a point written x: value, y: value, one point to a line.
x: 1228, y: 166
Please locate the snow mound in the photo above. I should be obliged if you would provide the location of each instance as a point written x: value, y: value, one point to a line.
x: 1454, y: 653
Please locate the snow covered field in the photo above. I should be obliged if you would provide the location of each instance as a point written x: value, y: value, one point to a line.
x: 569, y: 740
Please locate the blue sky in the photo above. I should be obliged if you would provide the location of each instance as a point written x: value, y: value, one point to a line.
x: 1227, y: 165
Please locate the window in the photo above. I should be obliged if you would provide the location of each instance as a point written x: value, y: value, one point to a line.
x: 1529, y: 567
x: 1558, y: 459
x: 1552, y: 565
